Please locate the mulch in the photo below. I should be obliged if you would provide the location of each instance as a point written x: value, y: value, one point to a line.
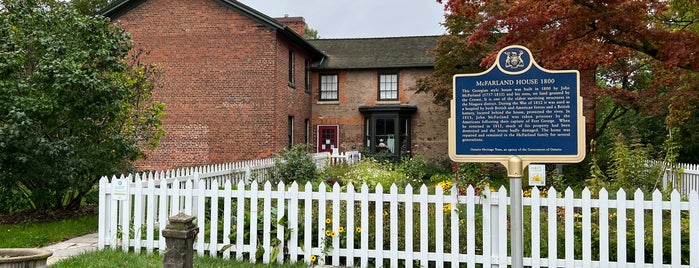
x: 48, y: 215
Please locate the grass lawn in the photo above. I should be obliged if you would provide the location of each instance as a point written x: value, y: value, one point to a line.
x: 115, y: 258
x: 39, y: 234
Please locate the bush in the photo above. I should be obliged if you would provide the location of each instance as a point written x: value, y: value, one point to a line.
x: 295, y: 164
x: 373, y: 172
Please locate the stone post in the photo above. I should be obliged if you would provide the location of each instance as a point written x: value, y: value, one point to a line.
x: 179, y: 238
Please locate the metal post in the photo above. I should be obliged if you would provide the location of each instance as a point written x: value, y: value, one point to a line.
x: 514, y: 171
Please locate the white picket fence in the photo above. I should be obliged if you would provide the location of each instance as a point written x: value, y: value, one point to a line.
x: 402, y: 229
x: 684, y: 178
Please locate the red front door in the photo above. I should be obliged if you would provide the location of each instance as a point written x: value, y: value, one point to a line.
x: 327, y: 138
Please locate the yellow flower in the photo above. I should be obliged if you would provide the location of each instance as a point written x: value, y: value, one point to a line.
x: 327, y: 233
x: 328, y: 220
x: 341, y: 229
x: 358, y: 229
x: 313, y: 258
x: 333, y: 234
x: 447, y: 207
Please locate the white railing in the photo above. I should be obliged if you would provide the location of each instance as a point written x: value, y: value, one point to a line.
x: 260, y: 170
x: 379, y: 229
x: 683, y: 177
x: 349, y: 157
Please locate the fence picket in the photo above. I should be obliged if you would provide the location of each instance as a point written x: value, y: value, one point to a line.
x: 424, y: 212
x: 125, y: 210
x: 281, y: 214
x: 393, y: 225
x: 293, y: 221
x: 409, y: 221
x: 240, y: 220
x: 535, y: 226
x: 454, y: 226
x: 308, y: 222
x: 657, y: 232
x: 266, y: 221
x: 350, y: 225
x: 378, y: 225
x: 322, y: 218
x: 586, y: 229
x: 639, y: 235
x: 213, y: 222
x: 621, y: 226
x: 470, y: 224
x: 552, y: 227
x: 569, y: 227
x: 603, y: 228
x: 694, y: 228
x: 489, y: 235
x: 254, y: 210
x: 138, y: 214
x: 335, y: 224
x: 675, y: 228
x: 364, y: 229
x: 439, y: 226
x: 201, y: 214
x: 227, y: 209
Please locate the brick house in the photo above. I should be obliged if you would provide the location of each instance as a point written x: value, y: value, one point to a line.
x: 240, y: 85
x: 361, y: 96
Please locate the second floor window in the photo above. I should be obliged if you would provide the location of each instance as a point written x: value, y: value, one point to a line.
x: 388, y: 86
x: 307, y: 76
x: 328, y: 87
x: 291, y: 68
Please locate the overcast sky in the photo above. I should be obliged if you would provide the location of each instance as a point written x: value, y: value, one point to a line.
x: 360, y: 18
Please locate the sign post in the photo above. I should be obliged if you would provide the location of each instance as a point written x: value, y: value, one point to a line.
x: 517, y: 113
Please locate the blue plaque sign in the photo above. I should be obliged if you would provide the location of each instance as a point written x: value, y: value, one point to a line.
x: 517, y: 108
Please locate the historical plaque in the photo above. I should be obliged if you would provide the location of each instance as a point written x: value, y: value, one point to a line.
x: 517, y: 108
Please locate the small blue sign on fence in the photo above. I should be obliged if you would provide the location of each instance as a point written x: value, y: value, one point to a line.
x: 517, y: 108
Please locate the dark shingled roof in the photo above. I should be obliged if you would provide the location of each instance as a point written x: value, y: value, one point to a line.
x: 373, y: 53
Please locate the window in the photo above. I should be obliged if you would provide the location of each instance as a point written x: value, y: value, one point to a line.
x: 291, y: 68
x: 328, y: 87
x: 388, y: 86
x: 290, y: 131
x: 307, y: 77
x: 388, y: 129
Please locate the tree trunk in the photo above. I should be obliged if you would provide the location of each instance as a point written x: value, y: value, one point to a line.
x: 589, y: 92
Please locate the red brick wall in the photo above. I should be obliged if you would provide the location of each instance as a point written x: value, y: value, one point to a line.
x: 224, y: 82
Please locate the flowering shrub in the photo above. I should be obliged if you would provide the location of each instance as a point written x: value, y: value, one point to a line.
x: 372, y: 172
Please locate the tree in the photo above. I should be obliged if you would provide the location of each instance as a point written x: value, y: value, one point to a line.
x: 310, y: 33
x: 89, y: 7
x: 643, y: 54
x: 74, y: 104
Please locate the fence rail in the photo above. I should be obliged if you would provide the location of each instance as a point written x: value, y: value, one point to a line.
x: 341, y: 226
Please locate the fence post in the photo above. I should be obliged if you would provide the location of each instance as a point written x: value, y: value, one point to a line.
x: 248, y: 174
x: 179, y: 236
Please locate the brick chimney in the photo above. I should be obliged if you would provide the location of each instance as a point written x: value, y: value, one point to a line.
x: 298, y: 24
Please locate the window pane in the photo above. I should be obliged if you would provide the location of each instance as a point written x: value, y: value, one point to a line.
x: 328, y: 87
x: 388, y: 87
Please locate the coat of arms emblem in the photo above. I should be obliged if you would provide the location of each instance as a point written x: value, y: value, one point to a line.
x: 514, y: 59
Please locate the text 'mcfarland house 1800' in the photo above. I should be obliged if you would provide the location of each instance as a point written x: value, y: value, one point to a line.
x: 240, y: 85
